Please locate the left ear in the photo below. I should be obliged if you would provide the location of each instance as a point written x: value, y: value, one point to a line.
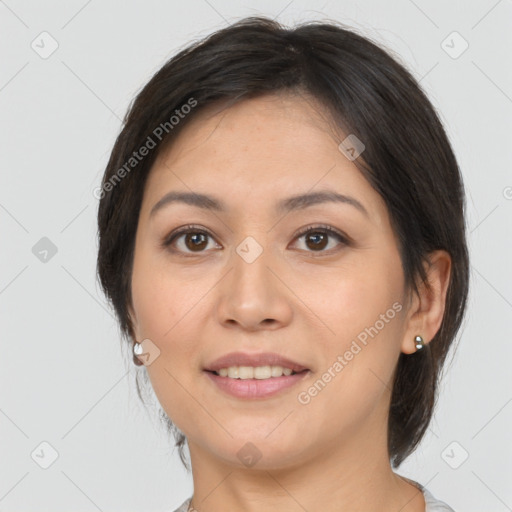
x: 427, y: 308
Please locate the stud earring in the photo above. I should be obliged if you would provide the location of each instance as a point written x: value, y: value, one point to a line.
x: 419, y: 342
x: 137, y: 350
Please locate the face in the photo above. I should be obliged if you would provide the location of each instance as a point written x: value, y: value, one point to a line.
x: 239, y: 272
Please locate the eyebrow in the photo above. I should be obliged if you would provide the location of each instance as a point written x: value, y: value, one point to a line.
x: 287, y: 205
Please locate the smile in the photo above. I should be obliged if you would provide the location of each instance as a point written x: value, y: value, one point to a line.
x: 249, y: 386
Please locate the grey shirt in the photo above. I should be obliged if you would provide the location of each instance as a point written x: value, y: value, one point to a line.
x: 432, y: 504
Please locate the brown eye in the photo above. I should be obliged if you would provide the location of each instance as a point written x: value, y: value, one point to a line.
x: 321, y: 239
x: 316, y: 240
x: 196, y: 241
x: 189, y: 240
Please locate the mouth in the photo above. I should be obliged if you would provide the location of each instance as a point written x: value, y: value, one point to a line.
x: 255, y: 376
x: 255, y: 372
x: 240, y: 365
x: 255, y: 388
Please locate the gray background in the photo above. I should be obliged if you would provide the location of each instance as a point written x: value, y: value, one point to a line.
x: 63, y: 379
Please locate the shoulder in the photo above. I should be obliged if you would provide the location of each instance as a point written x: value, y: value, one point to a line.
x: 183, y: 507
x: 433, y: 504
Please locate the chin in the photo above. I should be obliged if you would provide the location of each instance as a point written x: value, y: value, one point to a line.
x: 259, y: 452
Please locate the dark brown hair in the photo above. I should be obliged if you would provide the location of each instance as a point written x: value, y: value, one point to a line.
x: 407, y: 159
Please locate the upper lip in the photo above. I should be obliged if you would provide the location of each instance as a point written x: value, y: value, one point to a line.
x: 261, y: 359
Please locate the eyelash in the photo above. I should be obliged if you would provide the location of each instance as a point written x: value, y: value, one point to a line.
x: 319, y: 228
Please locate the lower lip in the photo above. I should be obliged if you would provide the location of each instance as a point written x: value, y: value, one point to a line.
x: 256, y: 388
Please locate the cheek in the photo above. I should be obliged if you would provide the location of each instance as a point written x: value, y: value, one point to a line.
x: 170, y: 311
x: 360, y: 305
x: 165, y: 310
x: 150, y: 303
x: 358, y: 359
x: 352, y: 297
x: 160, y: 297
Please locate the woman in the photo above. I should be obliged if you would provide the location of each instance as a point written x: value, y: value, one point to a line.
x: 282, y: 236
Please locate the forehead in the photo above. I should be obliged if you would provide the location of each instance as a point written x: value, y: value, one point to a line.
x: 262, y: 148
x: 276, y: 121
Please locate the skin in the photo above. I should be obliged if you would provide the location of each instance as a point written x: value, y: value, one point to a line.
x: 327, y: 455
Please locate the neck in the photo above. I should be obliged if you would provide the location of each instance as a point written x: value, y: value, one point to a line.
x: 333, y: 479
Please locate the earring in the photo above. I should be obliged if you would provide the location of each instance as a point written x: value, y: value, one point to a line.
x: 419, y: 342
x: 137, y: 350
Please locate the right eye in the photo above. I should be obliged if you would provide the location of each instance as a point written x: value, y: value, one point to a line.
x: 189, y: 239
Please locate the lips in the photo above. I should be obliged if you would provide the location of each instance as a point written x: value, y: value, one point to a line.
x: 261, y: 359
x: 253, y: 389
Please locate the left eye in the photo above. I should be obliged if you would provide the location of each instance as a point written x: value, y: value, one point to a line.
x: 321, y: 239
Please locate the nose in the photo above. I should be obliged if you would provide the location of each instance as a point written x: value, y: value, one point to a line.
x: 252, y: 296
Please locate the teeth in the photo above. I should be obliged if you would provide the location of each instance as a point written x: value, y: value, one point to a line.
x: 262, y: 372
x: 258, y: 372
